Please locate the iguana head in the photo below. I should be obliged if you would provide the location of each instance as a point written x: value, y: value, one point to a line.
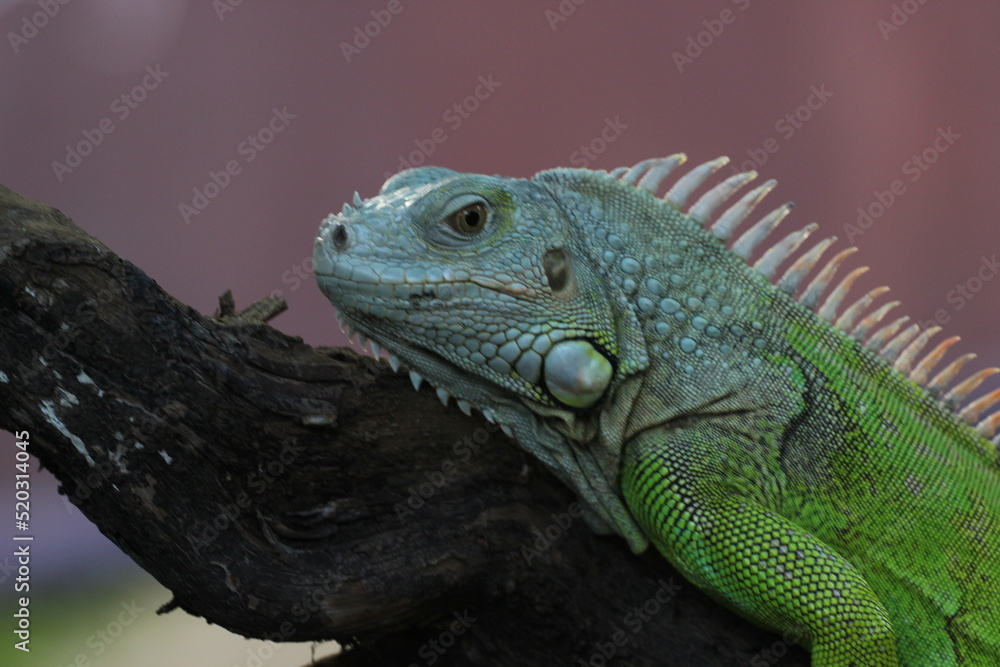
x: 483, y: 286
x: 473, y: 281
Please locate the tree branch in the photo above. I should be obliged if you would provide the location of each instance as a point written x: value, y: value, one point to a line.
x: 297, y: 493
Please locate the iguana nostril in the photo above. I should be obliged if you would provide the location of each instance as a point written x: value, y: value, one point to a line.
x: 339, y: 236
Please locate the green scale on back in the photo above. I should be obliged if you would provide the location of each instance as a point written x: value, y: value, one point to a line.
x: 790, y: 454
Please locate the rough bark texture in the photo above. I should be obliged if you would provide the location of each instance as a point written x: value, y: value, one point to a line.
x: 297, y: 493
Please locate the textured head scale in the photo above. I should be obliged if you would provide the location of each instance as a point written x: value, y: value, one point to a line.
x: 484, y: 286
x: 412, y: 267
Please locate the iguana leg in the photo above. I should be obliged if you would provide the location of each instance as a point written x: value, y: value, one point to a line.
x: 691, y: 489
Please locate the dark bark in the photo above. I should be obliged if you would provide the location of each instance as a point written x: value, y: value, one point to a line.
x: 262, y: 481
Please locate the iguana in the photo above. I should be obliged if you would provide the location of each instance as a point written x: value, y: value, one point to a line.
x: 790, y: 454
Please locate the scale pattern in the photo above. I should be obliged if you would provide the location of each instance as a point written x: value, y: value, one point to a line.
x: 787, y: 448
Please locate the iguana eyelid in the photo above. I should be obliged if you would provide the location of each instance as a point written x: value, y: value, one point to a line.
x: 457, y: 203
x: 444, y: 227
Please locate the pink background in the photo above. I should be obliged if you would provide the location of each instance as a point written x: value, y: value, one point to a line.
x: 559, y: 84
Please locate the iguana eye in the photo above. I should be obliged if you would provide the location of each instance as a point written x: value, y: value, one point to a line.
x: 469, y: 219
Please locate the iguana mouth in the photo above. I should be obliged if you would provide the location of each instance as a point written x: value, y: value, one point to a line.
x: 398, y: 350
x: 436, y: 289
x: 419, y: 299
x: 433, y: 367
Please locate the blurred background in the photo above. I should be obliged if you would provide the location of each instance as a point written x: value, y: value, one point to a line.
x: 205, y: 141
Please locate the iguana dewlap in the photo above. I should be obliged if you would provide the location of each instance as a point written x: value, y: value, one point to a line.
x: 781, y: 445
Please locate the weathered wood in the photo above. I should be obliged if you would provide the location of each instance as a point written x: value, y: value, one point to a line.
x: 294, y: 493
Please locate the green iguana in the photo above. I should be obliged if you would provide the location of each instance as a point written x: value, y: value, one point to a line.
x: 789, y: 454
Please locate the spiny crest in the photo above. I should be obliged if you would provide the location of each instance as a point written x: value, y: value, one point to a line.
x: 898, y: 345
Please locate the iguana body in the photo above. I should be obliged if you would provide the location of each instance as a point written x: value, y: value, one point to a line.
x: 786, y: 453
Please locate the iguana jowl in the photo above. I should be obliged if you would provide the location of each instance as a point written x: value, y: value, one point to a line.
x: 789, y: 453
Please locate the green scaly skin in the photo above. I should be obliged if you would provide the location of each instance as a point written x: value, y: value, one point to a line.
x: 779, y: 463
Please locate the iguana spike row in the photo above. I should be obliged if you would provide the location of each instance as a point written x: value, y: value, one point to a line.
x: 660, y: 170
x: 988, y: 426
x: 780, y: 251
x: 950, y: 372
x: 899, y: 348
x: 878, y: 339
x: 744, y: 245
x: 632, y: 174
x: 828, y: 311
x: 895, y: 346
x: 738, y: 212
x: 850, y: 315
x: 810, y: 296
x: 963, y: 389
x: 702, y: 209
x: 692, y: 180
x: 973, y: 410
x: 923, y: 369
x: 906, y: 358
x: 803, y: 265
